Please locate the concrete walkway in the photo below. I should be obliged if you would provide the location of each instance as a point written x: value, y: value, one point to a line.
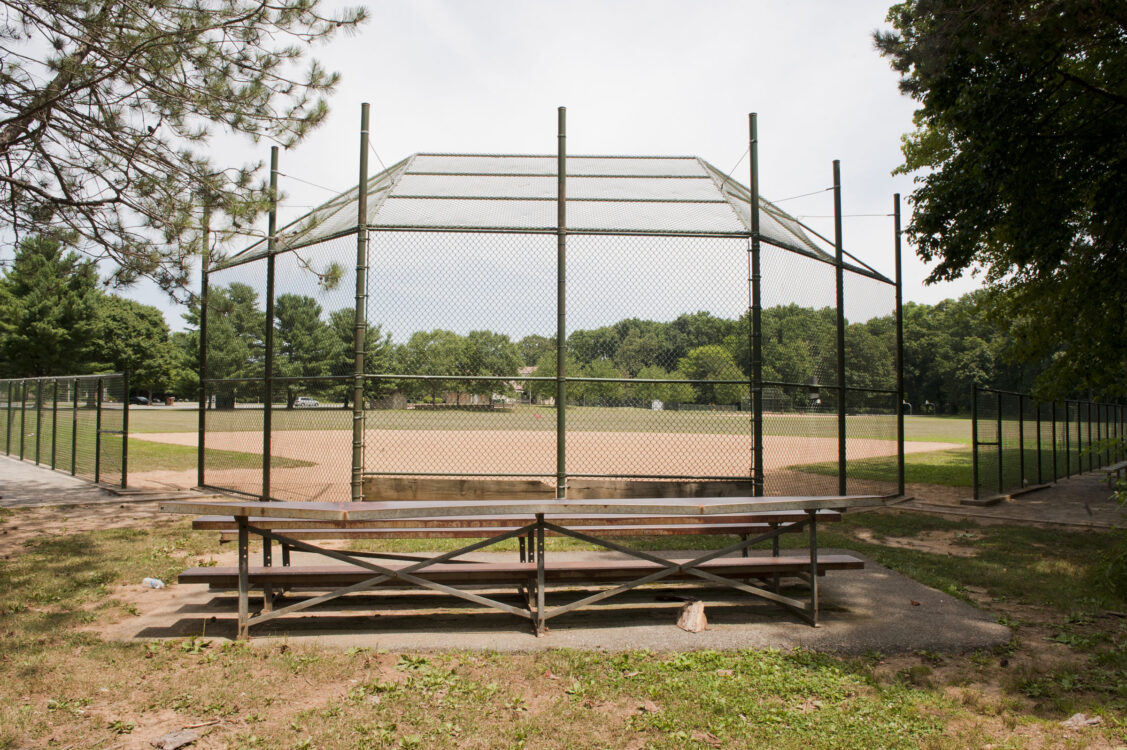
x: 1083, y: 501
x: 25, y: 485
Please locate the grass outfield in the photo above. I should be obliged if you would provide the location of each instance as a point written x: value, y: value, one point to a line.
x: 579, y: 418
x: 144, y: 455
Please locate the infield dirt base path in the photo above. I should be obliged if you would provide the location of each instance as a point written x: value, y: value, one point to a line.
x: 505, y: 452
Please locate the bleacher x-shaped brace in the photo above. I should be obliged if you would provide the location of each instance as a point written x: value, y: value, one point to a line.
x: 445, y: 573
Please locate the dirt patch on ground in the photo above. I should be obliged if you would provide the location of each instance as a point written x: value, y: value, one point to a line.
x: 950, y: 543
x: 61, y: 520
x: 500, y: 452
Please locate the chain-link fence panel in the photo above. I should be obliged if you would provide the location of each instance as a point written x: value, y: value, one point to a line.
x: 1020, y: 442
x: 112, y: 443
x: 800, y: 423
x: 235, y: 372
x: 460, y: 328
x: 7, y: 388
x: 659, y: 355
x: 72, y: 424
x: 872, y: 434
x: 233, y: 429
x: 311, y: 440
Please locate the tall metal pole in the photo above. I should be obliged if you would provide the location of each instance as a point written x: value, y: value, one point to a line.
x: 839, y: 279
x: 55, y: 421
x: 38, y: 418
x: 1001, y: 443
x: 361, y: 317
x: 758, y: 479
x: 1021, y: 439
x: 205, y: 262
x: 268, y: 379
x: 1056, y: 466
x: 561, y: 306
x: 1067, y: 442
x: 74, y: 431
x: 899, y: 351
x: 1040, y: 478
x: 23, y: 415
x: 125, y: 430
x: 974, y: 437
x: 98, y: 435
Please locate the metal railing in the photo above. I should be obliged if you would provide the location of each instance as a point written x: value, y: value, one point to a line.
x: 1019, y: 442
x: 77, y: 424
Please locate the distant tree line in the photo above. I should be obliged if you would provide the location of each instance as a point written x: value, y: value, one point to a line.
x: 56, y: 319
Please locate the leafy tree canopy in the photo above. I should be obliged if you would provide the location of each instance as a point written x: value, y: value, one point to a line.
x: 1023, y: 169
x: 107, y: 111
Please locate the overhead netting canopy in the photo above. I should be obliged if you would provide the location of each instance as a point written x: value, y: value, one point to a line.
x: 460, y: 291
x: 658, y: 195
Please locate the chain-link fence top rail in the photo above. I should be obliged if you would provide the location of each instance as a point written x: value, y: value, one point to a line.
x: 75, y: 424
x: 1019, y: 442
x: 461, y: 310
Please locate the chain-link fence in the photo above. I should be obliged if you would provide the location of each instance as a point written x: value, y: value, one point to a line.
x: 1020, y: 442
x: 74, y: 424
x: 469, y: 293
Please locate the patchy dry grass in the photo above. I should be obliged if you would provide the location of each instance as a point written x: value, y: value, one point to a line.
x: 68, y: 687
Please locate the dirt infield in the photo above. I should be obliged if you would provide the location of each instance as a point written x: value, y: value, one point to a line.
x: 499, y: 452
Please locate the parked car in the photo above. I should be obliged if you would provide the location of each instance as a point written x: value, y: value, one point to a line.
x: 305, y: 402
x: 139, y: 400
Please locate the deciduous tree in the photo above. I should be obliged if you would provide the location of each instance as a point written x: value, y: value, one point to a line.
x: 1022, y: 169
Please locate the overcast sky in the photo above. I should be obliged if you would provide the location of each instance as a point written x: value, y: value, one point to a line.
x: 638, y: 77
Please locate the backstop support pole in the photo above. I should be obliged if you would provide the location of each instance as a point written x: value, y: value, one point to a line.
x: 839, y: 282
x: 360, y: 328
x: 205, y: 259
x: 268, y: 379
x: 757, y: 478
x: 561, y: 307
x: 899, y: 351
x: 974, y: 438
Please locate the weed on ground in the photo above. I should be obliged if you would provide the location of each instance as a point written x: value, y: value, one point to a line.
x: 66, y: 686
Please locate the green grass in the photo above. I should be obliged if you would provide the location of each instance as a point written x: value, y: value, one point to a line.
x: 951, y: 468
x: 146, y: 455
x: 72, y: 688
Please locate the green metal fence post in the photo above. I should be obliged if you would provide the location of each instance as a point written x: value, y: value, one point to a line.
x: 1088, y: 413
x: 1079, y: 440
x: 360, y: 327
x: 8, y: 435
x: 1037, y: 424
x: 23, y: 415
x: 74, y: 431
x: 839, y: 282
x: 205, y: 261
x: 125, y: 429
x: 98, y: 435
x: 38, y: 417
x: 1067, y: 442
x: 1021, y: 440
x: 268, y: 333
x: 1056, y: 466
x: 561, y: 306
x: 54, y: 422
x: 1001, y: 475
x: 758, y: 478
x: 900, y: 475
x: 974, y: 438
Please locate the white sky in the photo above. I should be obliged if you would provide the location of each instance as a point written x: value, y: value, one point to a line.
x: 638, y: 77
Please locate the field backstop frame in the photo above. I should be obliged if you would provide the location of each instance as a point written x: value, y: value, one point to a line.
x: 332, y: 223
